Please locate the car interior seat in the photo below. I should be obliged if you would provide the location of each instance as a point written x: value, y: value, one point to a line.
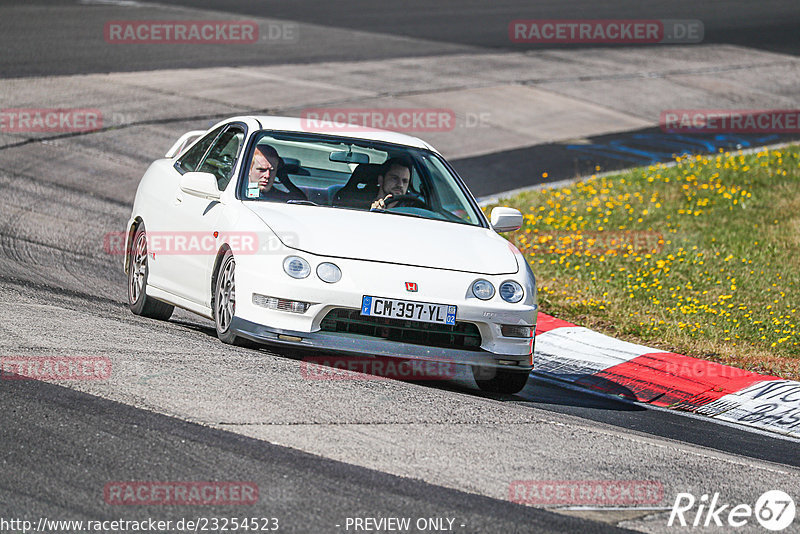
x: 361, y: 189
x: 282, y: 180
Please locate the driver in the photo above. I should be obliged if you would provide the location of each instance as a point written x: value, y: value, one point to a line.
x: 393, y: 180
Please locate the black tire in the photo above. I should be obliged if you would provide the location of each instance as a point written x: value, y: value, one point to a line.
x: 224, y: 301
x: 494, y: 380
x: 138, y: 270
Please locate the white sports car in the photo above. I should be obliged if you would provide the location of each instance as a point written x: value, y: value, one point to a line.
x: 345, y: 239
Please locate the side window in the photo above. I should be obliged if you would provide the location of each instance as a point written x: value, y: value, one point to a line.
x: 191, y: 159
x: 221, y: 158
x: 448, y: 196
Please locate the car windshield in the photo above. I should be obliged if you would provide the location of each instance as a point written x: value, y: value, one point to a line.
x: 354, y: 174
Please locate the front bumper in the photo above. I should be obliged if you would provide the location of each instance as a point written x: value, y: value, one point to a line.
x: 365, y: 345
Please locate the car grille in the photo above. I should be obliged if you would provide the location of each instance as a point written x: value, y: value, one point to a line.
x: 463, y: 336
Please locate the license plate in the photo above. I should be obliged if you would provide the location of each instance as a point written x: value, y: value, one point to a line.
x: 407, y: 309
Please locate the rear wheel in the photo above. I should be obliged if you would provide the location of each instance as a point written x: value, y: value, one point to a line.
x: 499, y: 380
x: 138, y: 301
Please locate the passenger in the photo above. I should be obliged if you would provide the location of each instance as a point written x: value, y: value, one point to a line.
x: 394, y: 178
x: 263, y: 170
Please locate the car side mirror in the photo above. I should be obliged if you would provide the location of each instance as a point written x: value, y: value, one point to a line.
x: 200, y: 184
x: 506, y: 219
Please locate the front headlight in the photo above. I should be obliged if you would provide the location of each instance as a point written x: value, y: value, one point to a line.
x: 296, y: 267
x: 329, y: 272
x: 483, y: 289
x: 510, y: 291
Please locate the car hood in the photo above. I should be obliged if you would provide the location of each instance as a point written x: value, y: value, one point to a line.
x: 387, y: 237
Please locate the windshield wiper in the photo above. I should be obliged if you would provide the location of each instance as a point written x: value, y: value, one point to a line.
x: 303, y: 202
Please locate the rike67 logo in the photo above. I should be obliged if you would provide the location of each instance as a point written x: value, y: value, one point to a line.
x: 774, y: 510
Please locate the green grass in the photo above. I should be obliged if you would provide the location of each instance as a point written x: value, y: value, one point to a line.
x: 700, y: 258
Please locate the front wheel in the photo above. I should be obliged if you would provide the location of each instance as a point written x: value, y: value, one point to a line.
x: 138, y: 270
x: 225, y: 300
x: 499, y: 380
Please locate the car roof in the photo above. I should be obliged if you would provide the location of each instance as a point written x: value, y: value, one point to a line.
x: 295, y: 124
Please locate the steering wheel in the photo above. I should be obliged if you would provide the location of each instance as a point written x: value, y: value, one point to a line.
x: 411, y: 201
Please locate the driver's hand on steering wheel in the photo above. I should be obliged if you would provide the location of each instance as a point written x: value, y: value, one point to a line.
x: 380, y: 204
